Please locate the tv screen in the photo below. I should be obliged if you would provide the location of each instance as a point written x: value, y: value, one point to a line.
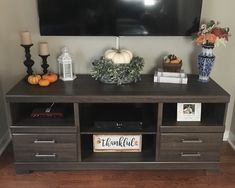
x: 119, y: 17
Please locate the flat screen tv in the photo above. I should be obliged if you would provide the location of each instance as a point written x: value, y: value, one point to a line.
x: 119, y: 17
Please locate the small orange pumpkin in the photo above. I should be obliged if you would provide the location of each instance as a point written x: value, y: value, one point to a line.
x: 51, y: 77
x: 34, y: 79
x: 176, y: 61
x: 44, y: 82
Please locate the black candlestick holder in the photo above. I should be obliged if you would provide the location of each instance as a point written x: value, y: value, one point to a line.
x: 44, y: 63
x: 28, y: 61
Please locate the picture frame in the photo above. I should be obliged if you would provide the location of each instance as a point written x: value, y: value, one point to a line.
x: 188, y: 111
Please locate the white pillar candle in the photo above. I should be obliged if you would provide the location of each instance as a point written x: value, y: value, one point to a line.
x: 117, y: 43
x: 43, y: 48
x: 25, y: 37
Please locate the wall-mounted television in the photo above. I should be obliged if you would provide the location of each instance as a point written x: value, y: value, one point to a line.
x: 119, y: 17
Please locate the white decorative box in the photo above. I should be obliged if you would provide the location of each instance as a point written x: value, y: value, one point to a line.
x: 170, y: 77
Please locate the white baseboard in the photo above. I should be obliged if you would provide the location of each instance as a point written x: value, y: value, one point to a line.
x: 231, y: 140
x: 226, y: 135
x: 4, y: 141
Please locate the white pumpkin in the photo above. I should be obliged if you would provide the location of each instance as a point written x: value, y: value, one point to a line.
x: 119, y: 56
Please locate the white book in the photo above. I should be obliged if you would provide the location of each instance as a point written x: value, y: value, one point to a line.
x: 160, y: 72
x: 177, y: 78
x: 173, y: 80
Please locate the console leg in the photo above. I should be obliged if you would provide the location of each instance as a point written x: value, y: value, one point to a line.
x: 22, y: 171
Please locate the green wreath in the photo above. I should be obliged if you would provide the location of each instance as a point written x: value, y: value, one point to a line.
x: 108, y: 72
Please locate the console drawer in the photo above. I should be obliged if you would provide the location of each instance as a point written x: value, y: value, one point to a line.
x: 45, y: 147
x: 185, y: 156
x: 190, y: 141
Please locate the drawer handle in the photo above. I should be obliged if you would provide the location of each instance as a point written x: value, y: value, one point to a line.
x: 197, y: 154
x: 191, y: 141
x: 44, y: 141
x: 38, y: 155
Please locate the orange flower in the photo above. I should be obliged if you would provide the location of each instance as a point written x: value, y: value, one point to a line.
x: 211, y: 38
x: 200, y: 39
x: 210, y: 33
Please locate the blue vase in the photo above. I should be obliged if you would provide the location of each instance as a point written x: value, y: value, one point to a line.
x: 205, y: 63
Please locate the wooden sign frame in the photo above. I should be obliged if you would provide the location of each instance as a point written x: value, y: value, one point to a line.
x: 117, y: 143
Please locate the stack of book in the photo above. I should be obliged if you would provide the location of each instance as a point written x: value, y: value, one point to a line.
x: 170, y: 77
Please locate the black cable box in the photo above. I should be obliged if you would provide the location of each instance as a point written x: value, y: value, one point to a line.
x: 118, y: 125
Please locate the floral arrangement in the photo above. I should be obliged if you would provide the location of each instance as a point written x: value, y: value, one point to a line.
x: 212, y: 34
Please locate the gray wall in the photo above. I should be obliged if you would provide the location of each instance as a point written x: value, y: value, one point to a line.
x: 19, y: 15
x: 4, y: 131
x: 3, y: 122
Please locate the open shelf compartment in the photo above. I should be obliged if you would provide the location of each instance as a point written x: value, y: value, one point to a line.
x: 110, y: 117
x: 23, y: 114
x: 212, y: 114
x: 146, y: 155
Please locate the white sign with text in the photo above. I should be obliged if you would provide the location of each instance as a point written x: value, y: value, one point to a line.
x: 117, y: 143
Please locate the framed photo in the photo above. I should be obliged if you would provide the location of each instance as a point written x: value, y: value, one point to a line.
x: 188, y: 111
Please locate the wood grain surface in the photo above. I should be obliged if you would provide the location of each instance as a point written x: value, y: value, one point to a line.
x: 160, y: 98
x: 86, y: 89
x: 121, y: 179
